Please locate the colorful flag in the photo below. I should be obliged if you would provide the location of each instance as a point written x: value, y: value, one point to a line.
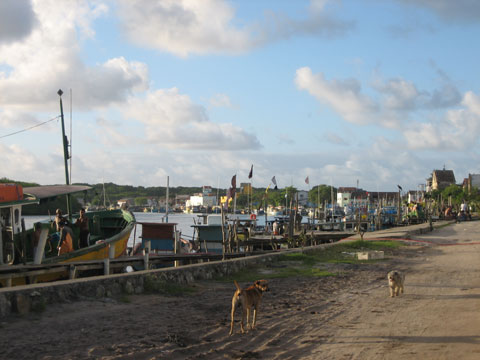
x: 307, y: 181
x: 251, y: 173
x: 266, y: 190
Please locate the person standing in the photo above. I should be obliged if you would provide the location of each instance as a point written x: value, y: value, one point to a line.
x: 65, y: 244
x: 82, y: 223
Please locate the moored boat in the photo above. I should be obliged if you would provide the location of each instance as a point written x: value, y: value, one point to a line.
x: 109, y: 232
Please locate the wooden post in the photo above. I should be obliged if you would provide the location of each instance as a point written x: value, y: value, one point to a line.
x: 72, y: 272
x: 106, y: 266
x: 146, y: 259
x: 223, y: 234
x: 176, y: 263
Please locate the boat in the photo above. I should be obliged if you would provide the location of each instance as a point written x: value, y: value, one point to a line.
x: 109, y: 231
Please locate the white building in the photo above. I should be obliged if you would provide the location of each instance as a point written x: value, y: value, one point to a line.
x: 201, y: 200
x: 302, y: 197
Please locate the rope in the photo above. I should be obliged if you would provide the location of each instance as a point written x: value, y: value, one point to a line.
x: 29, y: 128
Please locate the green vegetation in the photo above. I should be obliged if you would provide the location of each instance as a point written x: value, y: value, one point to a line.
x: 155, y: 285
x: 310, y: 264
x: 341, y: 252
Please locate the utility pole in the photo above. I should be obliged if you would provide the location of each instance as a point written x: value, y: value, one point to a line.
x: 65, y: 155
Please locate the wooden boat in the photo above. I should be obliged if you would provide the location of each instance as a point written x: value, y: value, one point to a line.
x: 109, y: 231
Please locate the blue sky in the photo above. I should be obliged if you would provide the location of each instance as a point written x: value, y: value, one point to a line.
x: 379, y: 92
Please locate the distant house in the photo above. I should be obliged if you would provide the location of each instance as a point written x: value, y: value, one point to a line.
x: 347, y: 196
x: 442, y: 178
x: 302, y: 197
x: 415, y: 196
x: 344, y: 195
x: 125, y: 203
x: 473, y: 181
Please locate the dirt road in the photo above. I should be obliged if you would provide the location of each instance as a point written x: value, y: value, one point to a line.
x: 349, y: 316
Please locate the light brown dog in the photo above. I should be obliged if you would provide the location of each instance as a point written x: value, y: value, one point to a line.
x: 250, y: 299
x: 395, y: 282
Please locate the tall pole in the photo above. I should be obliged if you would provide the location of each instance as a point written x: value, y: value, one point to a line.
x: 166, y: 199
x: 65, y: 154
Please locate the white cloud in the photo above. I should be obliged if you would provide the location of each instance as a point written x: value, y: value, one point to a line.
x: 392, y: 104
x: 185, y: 27
x: 49, y: 58
x: 173, y: 120
x: 458, y: 129
x: 344, y: 96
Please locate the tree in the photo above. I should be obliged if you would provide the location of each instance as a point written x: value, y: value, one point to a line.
x: 321, y: 194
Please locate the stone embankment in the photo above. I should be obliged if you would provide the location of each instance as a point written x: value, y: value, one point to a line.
x: 23, y: 299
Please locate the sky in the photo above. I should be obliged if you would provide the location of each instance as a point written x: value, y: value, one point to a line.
x: 377, y: 93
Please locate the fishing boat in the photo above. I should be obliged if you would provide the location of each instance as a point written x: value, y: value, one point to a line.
x: 109, y: 229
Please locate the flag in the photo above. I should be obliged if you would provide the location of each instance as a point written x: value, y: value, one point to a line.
x: 251, y: 172
x: 268, y: 187
x: 307, y: 181
x: 234, y: 182
x: 274, y: 181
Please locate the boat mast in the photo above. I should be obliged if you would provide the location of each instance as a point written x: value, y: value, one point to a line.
x: 65, y: 155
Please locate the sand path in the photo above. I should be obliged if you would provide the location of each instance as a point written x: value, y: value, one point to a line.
x: 349, y: 316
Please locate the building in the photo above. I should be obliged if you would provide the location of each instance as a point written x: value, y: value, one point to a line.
x: 442, y: 178
x: 344, y: 195
x: 125, y: 203
x: 414, y: 196
x: 302, y: 197
x: 473, y: 181
x: 201, y: 200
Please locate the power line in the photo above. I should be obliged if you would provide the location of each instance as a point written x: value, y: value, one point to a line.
x: 29, y: 128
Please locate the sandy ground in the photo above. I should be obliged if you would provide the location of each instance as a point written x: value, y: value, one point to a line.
x: 349, y: 316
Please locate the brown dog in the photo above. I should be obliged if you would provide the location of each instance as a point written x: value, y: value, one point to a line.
x: 250, y: 299
x: 395, y: 282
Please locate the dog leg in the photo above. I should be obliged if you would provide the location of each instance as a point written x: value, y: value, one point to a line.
x: 234, y: 305
x: 391, y: 291
x: 254, y: 317
x: 244, y: 312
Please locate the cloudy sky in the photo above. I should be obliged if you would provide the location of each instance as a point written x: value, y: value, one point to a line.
x: 376, y: 91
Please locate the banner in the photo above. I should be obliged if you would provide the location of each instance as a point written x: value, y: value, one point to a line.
x: 251, y: 172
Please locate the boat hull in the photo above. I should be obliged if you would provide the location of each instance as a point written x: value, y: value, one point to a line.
x: 112, y: 245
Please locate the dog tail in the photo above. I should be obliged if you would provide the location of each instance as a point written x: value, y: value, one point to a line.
x: 238, y: 286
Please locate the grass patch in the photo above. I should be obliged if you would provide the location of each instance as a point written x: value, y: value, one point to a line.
x: 343, y: 252
x: 154, y: 285
x: 310, y: 264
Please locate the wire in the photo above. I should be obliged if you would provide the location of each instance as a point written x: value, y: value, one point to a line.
x: 31, y: 127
